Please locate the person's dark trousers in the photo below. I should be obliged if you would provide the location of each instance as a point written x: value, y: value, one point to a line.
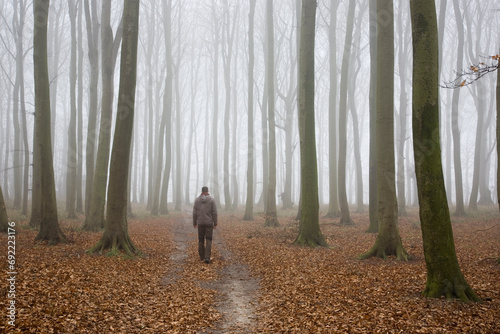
x: 205, y: 249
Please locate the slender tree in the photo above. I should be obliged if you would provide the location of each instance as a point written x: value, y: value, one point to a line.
x: 116, y: 235
x: 309, y: 232
x: 4, y: 220
x: 271, y: 214
x: 333, y: 204
x: 71, y: 168
x: 94, y: 219
x: 251, y: 142
x: 93, y: 53
x: 498, y: 137
x: 165, y: 130
x: 345, y: 216
x: 444, y: 276
x: 455, y: 126
x: 49, y: 224
x: 372, y: 191
x: 388, y: 241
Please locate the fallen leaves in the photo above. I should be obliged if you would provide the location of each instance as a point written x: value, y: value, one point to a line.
x: 327, y: 290
x: 62, y: 289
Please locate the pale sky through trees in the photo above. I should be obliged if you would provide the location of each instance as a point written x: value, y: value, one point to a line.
x: 194, y: 25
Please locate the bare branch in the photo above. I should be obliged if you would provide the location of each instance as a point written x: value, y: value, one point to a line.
x: 473, y: 73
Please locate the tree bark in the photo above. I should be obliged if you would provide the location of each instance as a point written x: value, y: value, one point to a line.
x: 71, y: 159
x: 444, y: 276
x: 271, y: 214
x: 309, y: 231
x: 373, y: 201
x: 345, y: 216
x: 94, y: 219
x: 251, y: 141
x: 455, y: 126
x: 116, y: 235
x: 4, y: 220
x: 49, y: 224
x: 92, y: 38
x: 498, y: 137
x: 388, y: 241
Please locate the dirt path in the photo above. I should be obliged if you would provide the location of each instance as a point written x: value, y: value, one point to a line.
x: 237, y: 290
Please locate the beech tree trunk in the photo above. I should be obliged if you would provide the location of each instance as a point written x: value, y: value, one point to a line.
x: 309, y: 231
x: 388, y: 241
x: 455, y: 126
x: 92, y: 38
x: 444, y: 276
x: 345, y: 216
x: 4, y: 220
x: 271, y: 214
x: 94, y: 219
x: 116, y: 235
x: 251, y: 141
x: 373, y: 201
x: 498, y: 137
x: 71, y: 159
x: 50, y: 230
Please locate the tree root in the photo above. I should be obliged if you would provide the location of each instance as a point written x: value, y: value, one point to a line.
x: 459, y: 289
x: 116, y: 244
x: 382, y: 251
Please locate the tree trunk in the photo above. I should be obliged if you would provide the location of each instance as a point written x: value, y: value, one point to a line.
x: 403, y: 101
x: 444, y: 276
x: 94, y: 219
x: 92, y: 38
x: 271, y: 214
x: 71, y: 167
x: 388, y: 241
x: 4, y: 220
x: 373, y: 201
x: 498, y: 137
x: 227, y: 42
x: 345, y: 216
x: 79, y: 169
x: 455, y: 126
x: 116, y: 235
x: 215, y: 165
x: 309, y: 231
x: 49, y: 224
x: 251, y: 142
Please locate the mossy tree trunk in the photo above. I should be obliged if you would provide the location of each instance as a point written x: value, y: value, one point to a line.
x: 309, y: 231
x: 251, y: 143
x: 444, y: 276
x: 388, y: 241
x: 4, y: 220
x: 116, y: 235
x: 373, y: 201
x: 50, y: 230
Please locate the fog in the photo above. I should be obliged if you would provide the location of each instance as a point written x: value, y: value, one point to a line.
x: 208, y: 126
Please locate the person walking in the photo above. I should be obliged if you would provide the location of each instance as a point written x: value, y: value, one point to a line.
x: 205, y: 219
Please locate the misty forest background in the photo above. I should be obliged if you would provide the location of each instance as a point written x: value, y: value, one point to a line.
x: 350, y: 114
x: 191, y: 123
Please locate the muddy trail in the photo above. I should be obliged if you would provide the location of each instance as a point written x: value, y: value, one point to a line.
x: 236, y: 290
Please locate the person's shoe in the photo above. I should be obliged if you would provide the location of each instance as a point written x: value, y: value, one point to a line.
x: 207, y: 261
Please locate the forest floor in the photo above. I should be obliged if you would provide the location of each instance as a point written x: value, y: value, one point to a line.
x: 258, y: 281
